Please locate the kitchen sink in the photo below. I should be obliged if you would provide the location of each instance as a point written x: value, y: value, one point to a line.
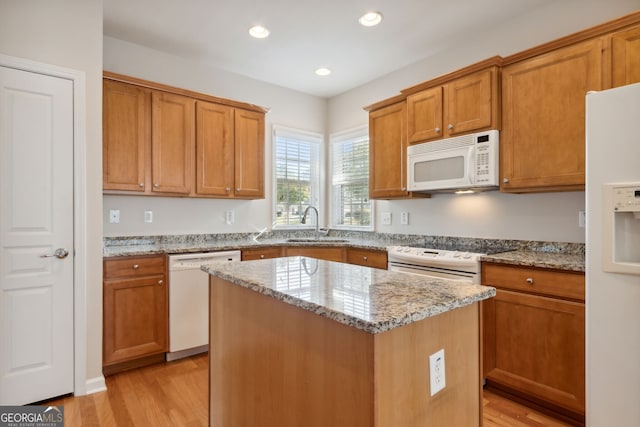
x: 316, y: 240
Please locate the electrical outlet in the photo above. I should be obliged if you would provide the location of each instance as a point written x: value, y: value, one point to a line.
x: 114, y: 216
x: 229, y: 217
x: 404, y: 218
x: 437, y: 371
x: 386, y: 218
x: 582, y: 219
x: 148, y: 216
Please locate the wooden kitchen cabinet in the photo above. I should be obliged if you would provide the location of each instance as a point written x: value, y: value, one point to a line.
x: 249, y: 154
x: 625, y: 57
x: 328, y: 253
x: 135, y: 311
x: 261, y: 253
x: 465, y: 104
x: 126, y: 137
x: 160, y: 140
x: 172, y: 142
x: 534, y: 336
x: 367, y: 257
x: 542, y: 143
x: 388, y: 152
x: 148, y: 139
x: 229, y: 151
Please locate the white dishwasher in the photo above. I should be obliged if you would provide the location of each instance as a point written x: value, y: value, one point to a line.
x: 189, y: 302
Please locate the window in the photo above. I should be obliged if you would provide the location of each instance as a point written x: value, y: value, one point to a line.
x: 297, y: 177
x: 351, y: 207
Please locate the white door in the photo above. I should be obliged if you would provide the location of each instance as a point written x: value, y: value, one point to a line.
x: 36, y: 220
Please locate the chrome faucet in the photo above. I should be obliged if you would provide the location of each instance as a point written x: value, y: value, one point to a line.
x: 304, y: 219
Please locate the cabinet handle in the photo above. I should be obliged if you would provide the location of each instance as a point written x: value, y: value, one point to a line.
x: 529, y: 280
x: 136, y: 266
x: 228, y: 189
x: 437, y: 130
x: 404, y: 189
x: 156, y: 185
x: 238, y: 190
x: 141, y: 185
x: 505, y: 180
x: 450, y: 126
x: 365, y: 258
x: 160, y: 282
x: 261, y: 256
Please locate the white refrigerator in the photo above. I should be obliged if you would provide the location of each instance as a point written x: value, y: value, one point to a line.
x: 613, y: 257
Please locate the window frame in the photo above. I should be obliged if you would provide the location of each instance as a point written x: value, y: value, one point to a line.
x: 316, y: 141
x: 337, y: 138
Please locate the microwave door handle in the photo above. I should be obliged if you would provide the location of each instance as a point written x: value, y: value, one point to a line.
x: 471, y: 170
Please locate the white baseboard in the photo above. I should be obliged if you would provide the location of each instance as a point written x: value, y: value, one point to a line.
x: 95, y: 385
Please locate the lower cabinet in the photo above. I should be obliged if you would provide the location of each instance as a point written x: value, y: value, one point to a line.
x: 534, y: 336
x: 321, y: 252
x: 135, y: 311
x: 261, y: 253
x: 367, y: 257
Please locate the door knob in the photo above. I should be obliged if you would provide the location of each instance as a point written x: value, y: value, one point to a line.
x: 59, y: 253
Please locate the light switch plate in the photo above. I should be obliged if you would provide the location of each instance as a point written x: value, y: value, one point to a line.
x: 404, y: 218
x: 148, y: 216
x: 386, y: 218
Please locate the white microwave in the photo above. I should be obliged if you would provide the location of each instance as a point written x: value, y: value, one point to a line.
x: 467, y: 162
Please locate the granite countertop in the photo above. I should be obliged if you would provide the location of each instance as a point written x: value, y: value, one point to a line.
x: 528, y: 258
x: 365, y: 298
x: 557, y: 255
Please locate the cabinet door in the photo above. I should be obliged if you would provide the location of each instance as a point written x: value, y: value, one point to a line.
x: 388, y: 152
x: 542, y: 144
x: 469, y: 103
x: 261, y: 253
x: 249, y: 154
x: 625, y: 56
x: 125, y: 136
x: 135, y: 318
x: 535, y: 346
x: 367, y: 257
x: 214, y: 149
x: 172, y: 137
x: 424, y: 115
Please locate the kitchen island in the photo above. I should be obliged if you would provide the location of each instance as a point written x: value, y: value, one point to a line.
x: 299, y: 341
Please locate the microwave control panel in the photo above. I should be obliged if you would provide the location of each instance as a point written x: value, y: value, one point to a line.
x: 486, y: 159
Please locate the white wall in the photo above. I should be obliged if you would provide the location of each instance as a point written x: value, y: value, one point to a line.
x: 68, y: 33
x: 552, y: 216
x: 185, y: 216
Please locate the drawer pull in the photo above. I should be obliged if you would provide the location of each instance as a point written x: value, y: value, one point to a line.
x: 262, y: 256
x: 136, y: 266
x: 365, y: 258
x: 160, y: 282
x: 529, y: 280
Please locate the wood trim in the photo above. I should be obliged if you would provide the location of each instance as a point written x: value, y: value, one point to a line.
x: 178, y: 91
x: 592, y: 32
x: 385, y: 103
x: 494, y: 61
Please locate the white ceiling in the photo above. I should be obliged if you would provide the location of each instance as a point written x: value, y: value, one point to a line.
x: 306, y: 34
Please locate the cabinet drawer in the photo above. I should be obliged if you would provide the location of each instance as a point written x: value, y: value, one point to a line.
x: 326, y: 253
x: 261, y: 253
x: 368, y: 258
x: 134, y: 266
x: 541, y: 281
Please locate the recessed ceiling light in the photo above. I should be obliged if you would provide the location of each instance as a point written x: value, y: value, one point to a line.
x: 370, y: 19
x: 322, y: 71
x: 258, y: 32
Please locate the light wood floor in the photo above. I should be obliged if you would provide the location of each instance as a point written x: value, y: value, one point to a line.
x: 177, y: 394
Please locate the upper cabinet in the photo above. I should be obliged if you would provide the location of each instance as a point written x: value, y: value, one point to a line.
x: 159, y: 140
x: 543, y: 106
x: 388, y: 152
x: 463, y: 104
x: 126, y: 139
x: 625, y: 57
x: 172, y: 139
